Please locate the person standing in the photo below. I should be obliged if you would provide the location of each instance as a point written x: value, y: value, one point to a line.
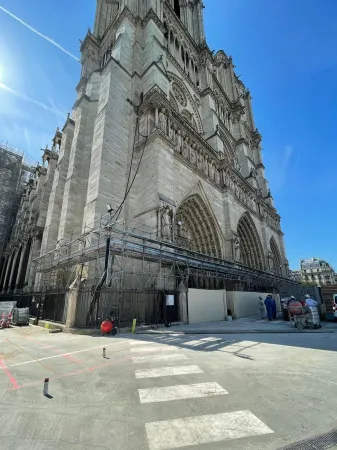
x: 273, y: 303
x: 269, y: 306
x: 261, y: 308
x: 310, y: 301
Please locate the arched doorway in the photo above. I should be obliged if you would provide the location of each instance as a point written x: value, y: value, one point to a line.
x: 196, y: 228
x: 276, y: 261
x: 251, y: 251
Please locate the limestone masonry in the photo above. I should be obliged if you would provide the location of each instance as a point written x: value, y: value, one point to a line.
x: 154, y: 104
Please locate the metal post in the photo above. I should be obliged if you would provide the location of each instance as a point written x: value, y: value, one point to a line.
x: 45, y: 386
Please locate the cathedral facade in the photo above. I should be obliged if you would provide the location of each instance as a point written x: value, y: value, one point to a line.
x: 163, y: 126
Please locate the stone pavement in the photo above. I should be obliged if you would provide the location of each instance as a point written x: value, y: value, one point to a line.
x: 157, y: 392
x: 245, y: 325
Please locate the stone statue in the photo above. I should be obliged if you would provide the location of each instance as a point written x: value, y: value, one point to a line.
x: 185, y: 148
x: 237, y: 250
x: 205, y: 167
x: 193, y: 157
x: 179, y: 142
x: 171, y: 133
x: 211, y: 170
x: 162, y: 120
x: 166, y: 223
x: 200, y: 160
x: 217, y: 176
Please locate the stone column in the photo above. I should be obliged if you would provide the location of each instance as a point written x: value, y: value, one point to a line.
x: 3, y: 272
x: 12, y: 269
x: 72, y: 297
x: 23, y: 253
x: 8, y: 270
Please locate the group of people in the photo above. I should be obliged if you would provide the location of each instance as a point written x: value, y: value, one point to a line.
x: 269, y: 305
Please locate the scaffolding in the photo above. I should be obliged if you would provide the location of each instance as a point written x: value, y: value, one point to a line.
x: 139, y: 259
x: 15, y: 169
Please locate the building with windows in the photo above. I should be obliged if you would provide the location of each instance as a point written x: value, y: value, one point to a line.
x: 317, y: 271
x: 163, y: 132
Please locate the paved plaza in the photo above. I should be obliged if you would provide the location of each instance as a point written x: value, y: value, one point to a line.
x: 254, y: 391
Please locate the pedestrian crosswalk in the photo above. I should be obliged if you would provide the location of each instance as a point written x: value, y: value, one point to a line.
x: 167, y: 371
x: 167, y: 361
x: 180, y: 392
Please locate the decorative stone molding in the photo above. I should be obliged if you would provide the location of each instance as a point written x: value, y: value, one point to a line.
x: 179, y: 83
x: 195, y: 225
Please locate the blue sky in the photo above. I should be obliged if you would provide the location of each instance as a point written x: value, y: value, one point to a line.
x: 285, y: 52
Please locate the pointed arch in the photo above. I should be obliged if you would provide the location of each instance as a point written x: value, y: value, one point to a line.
x: 276, y: 256
x: 251, y: 251
x: 198, y: 226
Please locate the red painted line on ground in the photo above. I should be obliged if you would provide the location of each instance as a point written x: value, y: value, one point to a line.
x: 10, y: 376
x: 72, y: 359
x: 77, y: 372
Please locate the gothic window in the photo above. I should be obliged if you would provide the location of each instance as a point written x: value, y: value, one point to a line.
x: 176, y: 7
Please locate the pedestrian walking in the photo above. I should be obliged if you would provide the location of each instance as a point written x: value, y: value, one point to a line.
x: 261, y: 308
x: 269, y: 306
x: 273, y: 307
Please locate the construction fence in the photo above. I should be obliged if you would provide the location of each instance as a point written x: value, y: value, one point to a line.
x: 147, y: 306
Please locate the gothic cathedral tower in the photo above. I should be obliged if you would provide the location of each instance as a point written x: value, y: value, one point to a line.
x: 161, y: 117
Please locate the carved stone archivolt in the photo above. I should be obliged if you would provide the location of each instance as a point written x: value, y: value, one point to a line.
x: 195, y: 223
x: 179, y: 94
x: 250, y: 246
x: 274, y: 257
x: 186, y: 93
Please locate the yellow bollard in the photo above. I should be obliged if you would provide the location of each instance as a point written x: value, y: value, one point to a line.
x: 134, y: 322
x: 46, y: 325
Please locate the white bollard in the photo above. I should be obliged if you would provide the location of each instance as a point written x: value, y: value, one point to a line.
x: 104, y: 352
x: 45, y: 387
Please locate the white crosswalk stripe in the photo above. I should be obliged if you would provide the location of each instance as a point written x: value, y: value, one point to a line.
x: 154, y: 358
x: 180, y: 392
x: 167, y: 371
x: 152, y: 348
x: 179, y: 433
x: 188, y: 431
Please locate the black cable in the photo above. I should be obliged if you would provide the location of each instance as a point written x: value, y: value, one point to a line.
x: 128, y: 188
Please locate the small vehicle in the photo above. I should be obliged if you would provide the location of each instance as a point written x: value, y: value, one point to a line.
x: 5, y: 320
x: 109, y: 325
x: 304, y: 316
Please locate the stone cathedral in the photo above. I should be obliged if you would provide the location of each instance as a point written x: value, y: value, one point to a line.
x: 156, y: 106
